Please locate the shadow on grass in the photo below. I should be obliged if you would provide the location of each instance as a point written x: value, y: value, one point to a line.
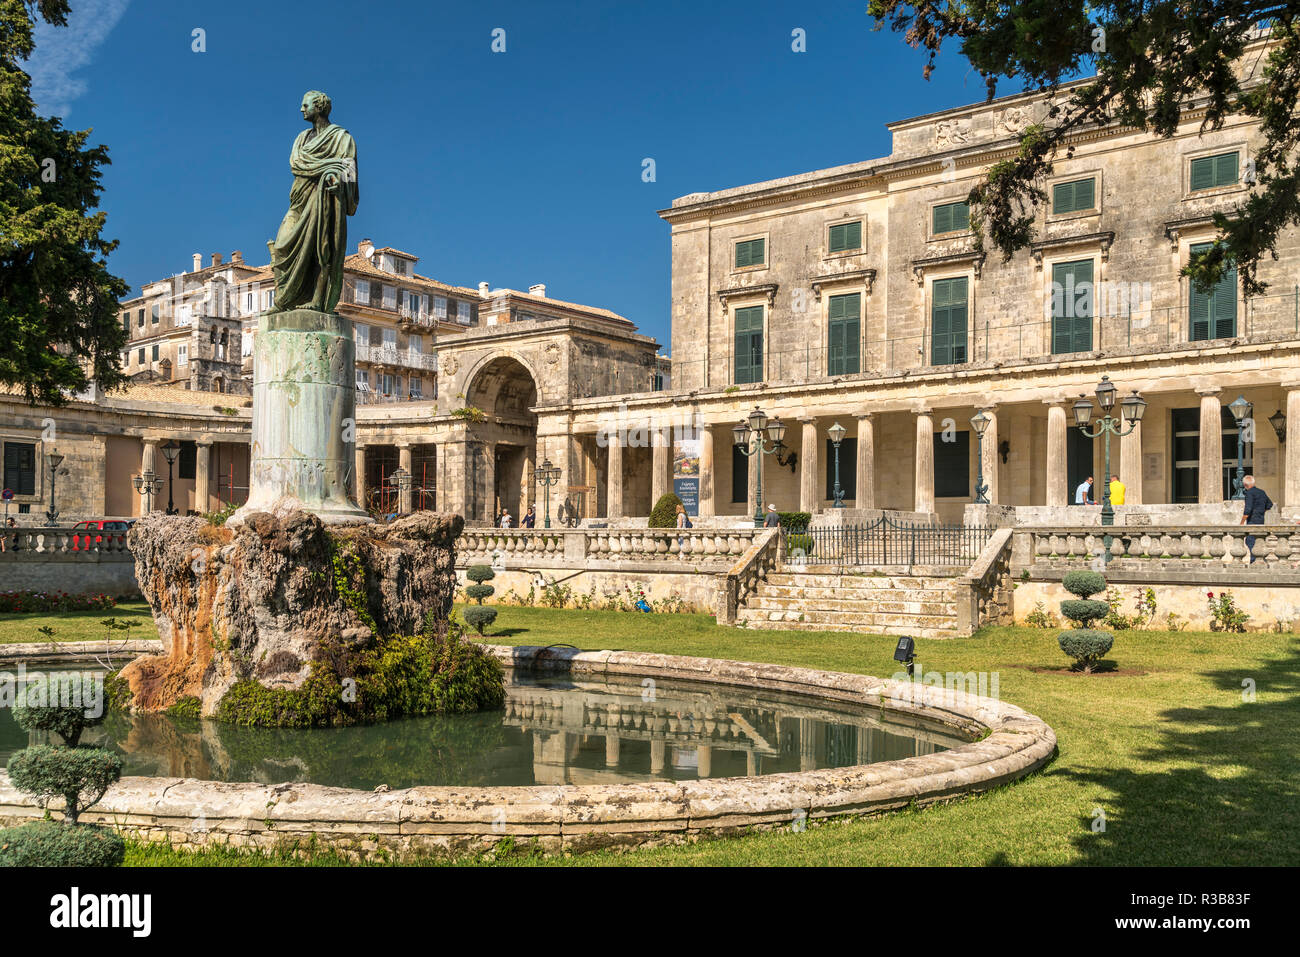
x: 1233, y: 794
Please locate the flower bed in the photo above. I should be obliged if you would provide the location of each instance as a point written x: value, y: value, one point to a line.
x: 36, y: 602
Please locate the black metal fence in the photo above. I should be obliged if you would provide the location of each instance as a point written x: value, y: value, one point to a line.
x: 886, y: 542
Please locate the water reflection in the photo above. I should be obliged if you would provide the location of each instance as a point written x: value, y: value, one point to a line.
x: 551, y: 731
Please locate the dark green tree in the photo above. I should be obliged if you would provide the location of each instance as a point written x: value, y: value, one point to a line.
x: 1154, y: 61
x: 59, y: 323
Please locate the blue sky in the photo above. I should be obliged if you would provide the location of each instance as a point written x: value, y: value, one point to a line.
x: 517, y: 167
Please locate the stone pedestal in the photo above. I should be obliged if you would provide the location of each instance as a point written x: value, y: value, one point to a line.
x: 304, y: 425
x: 259, y: 600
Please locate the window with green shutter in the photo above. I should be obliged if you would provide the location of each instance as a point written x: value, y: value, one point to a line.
x: 749, y: 344
x: 1213, y: 315
x: 843, y: 332
x: 951, y: 217
x: 948, y: 313
x: 1211, y: 171
x: 1072, y: 306
x: 846, y: 236
x: 750, y: 253
x: 1075, y: 196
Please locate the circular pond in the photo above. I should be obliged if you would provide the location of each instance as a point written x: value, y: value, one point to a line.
x: 552, y: 730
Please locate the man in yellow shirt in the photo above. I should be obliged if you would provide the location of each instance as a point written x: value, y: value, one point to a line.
x: 1116, y: 491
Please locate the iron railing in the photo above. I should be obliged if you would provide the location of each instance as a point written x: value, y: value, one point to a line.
x: 887, y: 543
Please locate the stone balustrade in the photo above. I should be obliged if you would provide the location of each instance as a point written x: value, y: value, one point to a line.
x: 46, y: 541
x: 1192, y: 552
x: 597, y: 547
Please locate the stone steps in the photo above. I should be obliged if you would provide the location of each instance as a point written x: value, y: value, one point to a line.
x: 905, y: 604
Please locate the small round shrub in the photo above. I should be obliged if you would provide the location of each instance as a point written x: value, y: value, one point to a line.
x: 1084, y: 610
x: 53, y: 844
x: 480, y: 573
x: 1084, y: 584
x: 78, y: 775
x: 1086, y: 646
x: 479, y: 592
x: 664, y: 514
x: 479, y: 617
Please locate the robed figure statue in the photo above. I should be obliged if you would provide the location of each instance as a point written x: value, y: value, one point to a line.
x: 308, y: 251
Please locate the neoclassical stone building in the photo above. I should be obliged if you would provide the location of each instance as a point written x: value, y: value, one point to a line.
x: 855, y: 295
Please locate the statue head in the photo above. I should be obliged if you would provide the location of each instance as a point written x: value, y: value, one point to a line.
x: 315, y: 103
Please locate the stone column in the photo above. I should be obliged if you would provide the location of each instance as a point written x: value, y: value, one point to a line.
x: 404, y: 462
x: 866, y: 475
x: 202, y: 476
x: 1211, y: 460
x: 1057, y: 493
x: 657, y: 754
x: 989, y: 454
x: 1291, y: 449
x: 661, y: 468
x: 148, y: 463
x: 1130, y: 465
x: 808, y: 497
x: 704, y: 753
x: 612, y: 743
x: 924, y: 488
x: 614, y: 480
x: 707, y: 508
x: 359, y: 475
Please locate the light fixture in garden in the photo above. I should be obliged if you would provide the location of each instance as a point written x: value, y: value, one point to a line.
x: 170, y: 449
x: 836, y: 433
x: 980, y: 423
x: 400, y: 479
x: 53, y: 460
x: 758, y: 436
x: 905, y: 652
x: 1241, y: 411
x: 548, y: 476
x: 1131, y: 411
x: 148, y: 485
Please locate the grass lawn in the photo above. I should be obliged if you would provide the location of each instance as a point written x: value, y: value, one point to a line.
x: 79, y: 625
x: 1183, y: 769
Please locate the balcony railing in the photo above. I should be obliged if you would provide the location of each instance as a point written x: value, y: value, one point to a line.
x: 401, y: 358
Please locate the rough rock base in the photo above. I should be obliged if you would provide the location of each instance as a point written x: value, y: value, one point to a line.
x: 257, y: 601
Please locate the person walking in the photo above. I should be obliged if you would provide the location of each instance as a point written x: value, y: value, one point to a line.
x: 683, y: 521
x: 773, y: 520
x: 1083, y: 494
x: 505, y: 518
x: 1256, y: 504
x: 530, y: 517
x: 1117, y: 491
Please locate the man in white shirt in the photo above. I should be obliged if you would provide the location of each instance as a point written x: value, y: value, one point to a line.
x: 1083, y: 494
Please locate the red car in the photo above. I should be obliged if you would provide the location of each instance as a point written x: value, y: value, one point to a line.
x: 115, y: 531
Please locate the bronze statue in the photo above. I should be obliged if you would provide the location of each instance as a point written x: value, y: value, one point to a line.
x: 307, y: 253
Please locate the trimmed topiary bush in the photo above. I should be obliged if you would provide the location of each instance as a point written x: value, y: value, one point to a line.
x: 64, y: 704
x: 1084, y: 584
x: 479, y: 574
x: 794, y: 521
x: 479, y: 617
x: 1084, y: 644
x: 664, y: 514
x: 55, y: 844
x: 1084, y: 610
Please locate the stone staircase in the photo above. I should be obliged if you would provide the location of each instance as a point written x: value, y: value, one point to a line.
x: 880, y: 604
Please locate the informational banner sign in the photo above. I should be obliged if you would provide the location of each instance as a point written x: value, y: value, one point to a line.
x: 686, y: 473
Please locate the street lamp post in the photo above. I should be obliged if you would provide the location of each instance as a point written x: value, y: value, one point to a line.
x: 400, y: 479
x: 836, y: 433
x: 171, y: 448
x: 1131, y: 409
x: 1241, y: 412
x: 753, y: 436
x: 980, y: 424
x: 148, y: 485
x: 547, y: 477
x: 53, y: 460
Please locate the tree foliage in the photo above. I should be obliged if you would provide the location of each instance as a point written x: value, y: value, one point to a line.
x: 1156, y: 63
x: 58, y: 301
